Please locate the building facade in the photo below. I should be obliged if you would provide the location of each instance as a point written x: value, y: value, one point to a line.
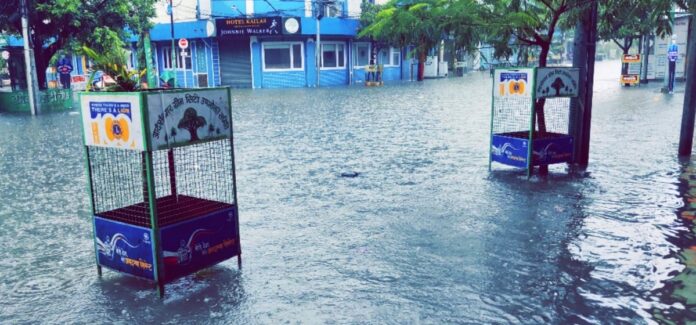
x: 268, y: 44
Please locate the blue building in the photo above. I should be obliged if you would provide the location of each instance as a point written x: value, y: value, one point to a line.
x: 268, y: 44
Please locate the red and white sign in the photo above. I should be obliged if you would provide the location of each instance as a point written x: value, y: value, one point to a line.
x: 79, y: 78
x: 183, y: 43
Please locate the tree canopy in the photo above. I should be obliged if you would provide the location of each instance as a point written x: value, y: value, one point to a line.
x: 420, y: 23
x: 621, y: 21
x: 530, y: 23
x: 68, y: 24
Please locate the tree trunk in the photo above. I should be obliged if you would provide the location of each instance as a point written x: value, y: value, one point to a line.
x: 628, y: 42
x: 539, y: 104
x: 421, y: 65
x: 41, y: 66
x: 689, y: 110
x: 43, y: 56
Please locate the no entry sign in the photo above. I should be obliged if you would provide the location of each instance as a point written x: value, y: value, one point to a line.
x: 183, y: 43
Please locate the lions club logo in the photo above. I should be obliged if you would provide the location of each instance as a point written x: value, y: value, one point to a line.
x: 516, y: 87
x: 117, y: 128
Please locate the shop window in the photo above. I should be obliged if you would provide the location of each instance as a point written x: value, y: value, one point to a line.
x: 389, y: 56
x: 361, y: 54
x: 167, y: 59
x: 333, y: 9
x: 282, y: 56
x: 333, y: 56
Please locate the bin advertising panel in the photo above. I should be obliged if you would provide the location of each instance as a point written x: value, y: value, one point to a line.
x: 514, y: 83
x: 123, y: 247
x: 188, y: 117
x: 199, y: 243
x: 112, y: 120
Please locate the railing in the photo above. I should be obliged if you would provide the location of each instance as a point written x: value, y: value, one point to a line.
x: 50, y: 100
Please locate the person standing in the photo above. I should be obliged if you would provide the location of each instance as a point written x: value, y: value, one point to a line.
x: 64, y: 68
x: 672, y: 56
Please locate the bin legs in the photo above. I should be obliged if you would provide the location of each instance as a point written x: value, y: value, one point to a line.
x: 160, y: 289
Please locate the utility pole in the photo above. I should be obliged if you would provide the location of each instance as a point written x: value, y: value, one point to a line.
x: 585, y: 43
x: 317, y: 52
x: 173, y: 51
x: 686, y: 137
x: 644, y: 58
x: 30, y: 67
x: 584, y: 158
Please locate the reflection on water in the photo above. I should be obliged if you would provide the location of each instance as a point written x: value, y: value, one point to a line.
x: 423, y: 234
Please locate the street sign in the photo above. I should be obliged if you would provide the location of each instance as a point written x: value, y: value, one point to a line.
x: 630, y: 58
x: 183, y: 43
x: 183, y: 54
x: 630, y: 79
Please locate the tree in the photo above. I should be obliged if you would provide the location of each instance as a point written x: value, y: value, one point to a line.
x: 191, y: 122
x: 463, y: 22
x: 409, y: 23
x: 530, y: 23
x: 67, y: 24
x: 621, y: 21
x: 368, y: 15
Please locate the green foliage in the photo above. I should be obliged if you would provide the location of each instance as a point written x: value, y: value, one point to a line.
x: 688, y: 5
x: 528, y: 23
x: 423, y: 23
x: 626, y: 19
x: 113, y: 64
x: 67, y: 24
x: 411, y: 23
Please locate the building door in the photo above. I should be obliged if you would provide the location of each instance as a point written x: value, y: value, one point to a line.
x: 235, y: 63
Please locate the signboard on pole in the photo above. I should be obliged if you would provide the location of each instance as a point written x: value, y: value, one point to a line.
x: 633, y: 61
x: 557, y: 82
x: 630, y: 79
x: 631, y: 58
x: 183, y: 43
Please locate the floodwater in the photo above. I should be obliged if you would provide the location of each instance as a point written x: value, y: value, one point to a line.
x: 424, y: 233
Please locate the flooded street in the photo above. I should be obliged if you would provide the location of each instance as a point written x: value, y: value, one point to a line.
x: 423, y: 234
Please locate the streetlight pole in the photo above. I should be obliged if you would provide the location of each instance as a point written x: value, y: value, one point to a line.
x: 173, y: 50
x: 319, y: 5
x: 30, y: 67
x: 581, y: 107
x: 318, y: 51
x: 686, y: 137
